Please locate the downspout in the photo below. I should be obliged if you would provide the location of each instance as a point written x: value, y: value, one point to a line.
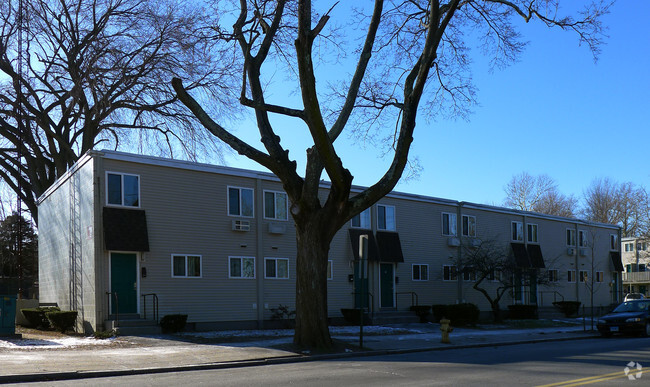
x: 100, y: 264
x: 259, y: 251
x: 459, y: 252
x: 575, y: 259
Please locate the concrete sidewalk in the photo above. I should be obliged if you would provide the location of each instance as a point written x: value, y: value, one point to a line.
x: 136, y: 355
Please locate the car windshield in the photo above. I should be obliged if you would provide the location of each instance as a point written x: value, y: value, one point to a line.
x: 632, y: 306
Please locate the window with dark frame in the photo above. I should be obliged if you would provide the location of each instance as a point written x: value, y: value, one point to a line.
x: 240, y: 202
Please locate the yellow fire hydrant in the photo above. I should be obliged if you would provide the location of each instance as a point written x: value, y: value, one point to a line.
x: 446, y: 329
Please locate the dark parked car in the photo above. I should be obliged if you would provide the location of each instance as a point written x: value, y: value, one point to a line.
x: 629, y: 317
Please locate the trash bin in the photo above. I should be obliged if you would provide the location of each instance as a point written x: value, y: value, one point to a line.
x: 7, y: 315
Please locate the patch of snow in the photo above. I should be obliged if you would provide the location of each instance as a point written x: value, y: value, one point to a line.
x: 67, y: 342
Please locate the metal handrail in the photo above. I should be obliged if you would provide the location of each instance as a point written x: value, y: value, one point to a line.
x: 154, y: 298
x: 117, y: 306
x: 414, y: 297
x: 372, y: 301
x: 555, y: 293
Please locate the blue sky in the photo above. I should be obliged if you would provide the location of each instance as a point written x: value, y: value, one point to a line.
x: 554, y: 112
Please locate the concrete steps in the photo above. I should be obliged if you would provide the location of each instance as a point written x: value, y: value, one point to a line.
x: 132, y: 325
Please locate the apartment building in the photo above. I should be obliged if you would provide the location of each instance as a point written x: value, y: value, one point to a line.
x: 217, y: 243
x: 636, y: 262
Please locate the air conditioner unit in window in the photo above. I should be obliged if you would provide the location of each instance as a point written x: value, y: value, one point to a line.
x: 571, y: 251
x: 583, y: 252
x: 453, y: 242
x: 241, y: 225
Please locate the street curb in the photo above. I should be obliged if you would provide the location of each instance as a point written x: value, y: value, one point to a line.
x: 71, y: 375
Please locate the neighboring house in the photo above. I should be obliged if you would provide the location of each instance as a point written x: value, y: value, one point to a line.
x: 217, y: 243
x: 636, y: 261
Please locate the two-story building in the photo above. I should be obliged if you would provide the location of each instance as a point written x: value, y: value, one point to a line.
x: 217, y: 243
x: 636, y: 261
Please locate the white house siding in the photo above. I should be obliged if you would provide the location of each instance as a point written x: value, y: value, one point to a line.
x: 56, y: 281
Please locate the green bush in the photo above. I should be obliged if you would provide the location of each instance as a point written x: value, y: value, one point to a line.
x: 36, y: 316
x: 522, y: 312
x: 458, y: 314
x: 62, y: 320
x: 569, y: 308
x: 173, y: 323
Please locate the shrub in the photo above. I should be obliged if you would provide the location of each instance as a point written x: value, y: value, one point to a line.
x: 569, y: 308
x: 522, y: 312
x: 458, y: 314
x: 282, y: 312
x: 173, y: 323
x: 105, y: 334
x: 422, y: 311
x: 62, y: 320
x: 37, y: 318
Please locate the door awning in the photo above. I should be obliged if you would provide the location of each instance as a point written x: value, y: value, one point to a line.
x: 535, y: 256
x: 616, y: 260
x: 390, y: 248
x: 125, y: 229
x: 521, y: 255
x: 373, y: 254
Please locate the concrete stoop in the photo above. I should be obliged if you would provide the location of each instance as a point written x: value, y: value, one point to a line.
x: 132, y: 325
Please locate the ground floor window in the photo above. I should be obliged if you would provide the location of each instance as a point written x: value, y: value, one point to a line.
x: 552, y: 275
x: 241, y: 267
x: 276, y: 268
x: 184, y: 266
x: 571, y: 276
x: 420, y: 272
x: 449, y: 273
x: 584, y: 276
x: 330, y: 275
x: 599, y: 276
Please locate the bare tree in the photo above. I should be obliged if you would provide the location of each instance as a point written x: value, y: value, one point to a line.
x: 625, y: 204
x: 410, y: 52
x: 97, y: 72
x: 538, y: 194
x: 495, y: 273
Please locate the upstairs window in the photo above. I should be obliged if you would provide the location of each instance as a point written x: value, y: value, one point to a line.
x: 448, y: 224
x: 571, y: 276
x: 613, y: 242
x: 385, y: 217
x: 469, y: 225
x: 361, y: 220
x: 582, y: 238
x: 449, y: 273
x: 517, y: 231
x: 240, y: 202
x: 570, y: 237
x: 532, y: 233
x: 553, y: 275
x: 122, y: 189
x: 275, y: 205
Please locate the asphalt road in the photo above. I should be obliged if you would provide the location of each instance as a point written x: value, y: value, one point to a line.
x: 567, y: 363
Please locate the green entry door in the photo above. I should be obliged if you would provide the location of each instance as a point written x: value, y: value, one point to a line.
x: 386, y: 281
x: 124, y: 282
x: 361, y: 286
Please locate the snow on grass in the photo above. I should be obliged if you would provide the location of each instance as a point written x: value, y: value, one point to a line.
x: 270, y: 333
x: 67, y: 342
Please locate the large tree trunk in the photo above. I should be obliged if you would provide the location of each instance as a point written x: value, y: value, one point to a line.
x: 312, y: 330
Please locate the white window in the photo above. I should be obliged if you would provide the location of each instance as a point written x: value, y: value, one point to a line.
x: 186, y: 266
x: 571, y: 276
x: 240, y: 202
x: 613, y: 242
x: 122, y: 189
x: 469, y: 274
x: 448, y: 224
x: 275, y: 205
x: 600, y: 276
x: 570, y: 237
x: 420, y: 272
x: 553, y: 275
x: 584, y: 275
x: 449, y: 273
x: 582, y: 238
x: 385, y: 217
x: 361, y: 220
x: 532, y: 232
x: 469, y: 225
x: 241, y: 267
x: 330, y: 274
x: 517, y: 231
x: 276, y: 268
